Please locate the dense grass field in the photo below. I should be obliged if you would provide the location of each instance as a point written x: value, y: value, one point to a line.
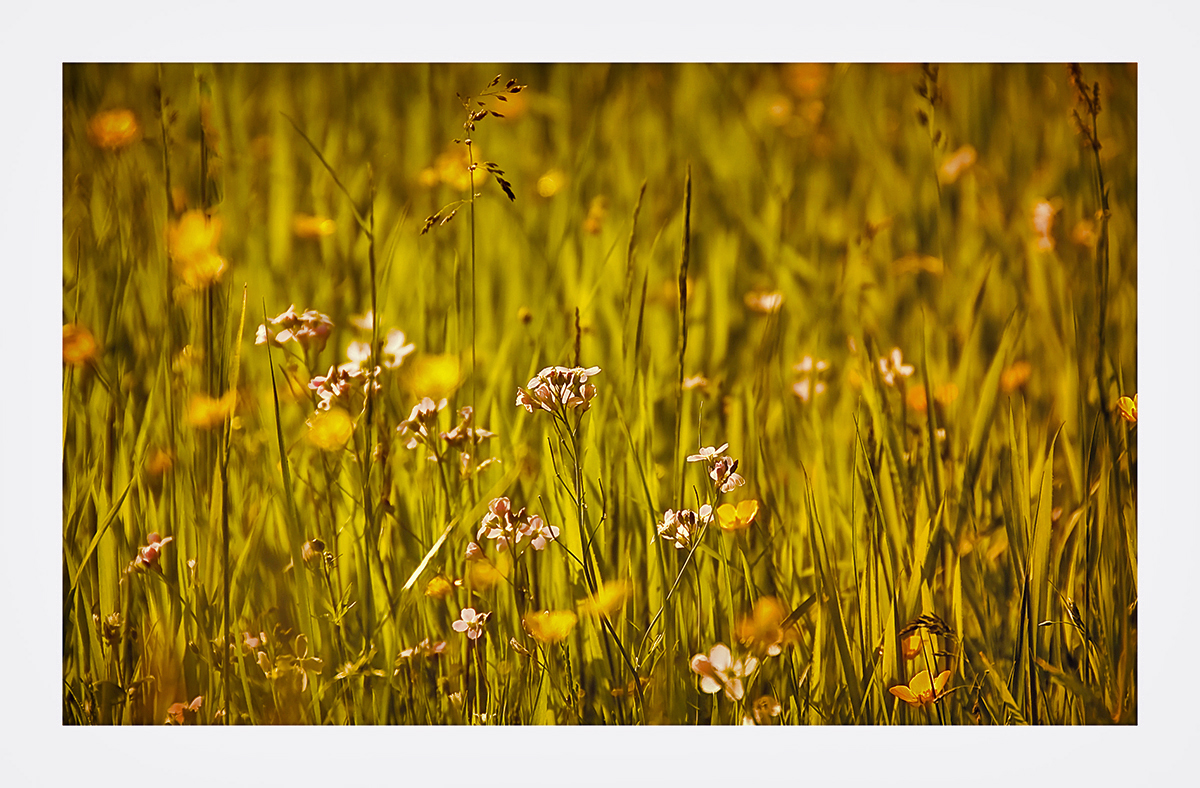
x: 591, y: 394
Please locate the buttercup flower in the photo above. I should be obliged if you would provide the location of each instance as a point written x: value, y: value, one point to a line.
x: 470, y: 623
x: 735, y: 518
x: 192, y: 242
x: 113, y: 129
x: 920, y: 691
x: 79, y: 346
x: 208, y: 413
x: 550, y: 626
x: 309, y: 226
x: 608, y: 599
x: 438, y: 587
x: 718, y: 671
x: 763, y: 629
x: 1015, y: 376
x: 330, y: 429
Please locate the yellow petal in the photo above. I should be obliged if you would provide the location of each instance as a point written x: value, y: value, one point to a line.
x: 331, y: 429
x: 747, y: 511
x: 905, y: 694
x: 550, y: 626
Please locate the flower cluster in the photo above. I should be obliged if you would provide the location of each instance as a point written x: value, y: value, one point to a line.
x: 310, y: 329
x: 721, y: 468
x: 893, y: 366
x: 508, y: 527
x: 421, y: 423
x: 809, y: 383
x: 464, y: 437
x: 682, y: 526
x: 718, y: 671
x: 559, y: 389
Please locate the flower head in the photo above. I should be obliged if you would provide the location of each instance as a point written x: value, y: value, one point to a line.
x: 192, y: 242
x: 1015, y: 376
x: 147, y: 557
x: 113, y: 129
x: 418, y: 427
x: 763, y: 629
x: 330, y: 429
x: 681, y: 527
x: 79, y: 346
x: 921, y: 691
x: 550, y: 626
x: 956, y: 164
x: 708, y: 453
x: 208, y: 413
x: 1128, y: 408
x: 810, y: 382
x: 718, y: 671
x: 559, y: 389
x: 723, y: 472
x: 736, y: 518
x: 608, y: 599
x: 765, y: 303
x: 470, y: 623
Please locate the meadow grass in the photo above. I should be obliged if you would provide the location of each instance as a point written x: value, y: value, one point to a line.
x: 611, y: 394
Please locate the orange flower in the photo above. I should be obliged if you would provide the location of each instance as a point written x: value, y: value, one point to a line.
x: 193, y: 245
x: 732, y: 518
x: 307, y: 226
x: 438, y: 588
x: 608, y: 599
x: 920, y: 692
x: 208, y: 413
x: 1128, y: 408
x: 916, y: 399
x: 763, y: 629
x: 79, y: 346
x: 113, y: 129
x: 1015, y: 376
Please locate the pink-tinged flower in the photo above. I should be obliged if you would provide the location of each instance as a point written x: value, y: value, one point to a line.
x: 540, y: 533
x: 681, y: 527
x: 417, y: 426
x: 724, y: 474
x: 557, y: 389
x: 894, y: 365
x: 426, y: 648
x: 708, y: 453
x: 395, y: 350
x: 921, y: 691
x: 1043, y: 224
x: 147, y: 557
x: 474, y: 552
x: 310, y: 329
x: 718, y: 671
x: 470, y: 623
x: 766, y: 303
x: 810, y: 383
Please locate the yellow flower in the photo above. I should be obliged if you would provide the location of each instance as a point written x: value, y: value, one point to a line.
x: 307, y: 226
x: 438, y: 588
x: 1128, y: 408
x: 113, y: 129
x: 920, y: 692
x: 549, y: 184
x: 912, y: 645
x: 735, y: 518
x: 79, y: 346
x: 608, y: 599
x: 550, y: 626
x: 159, y: 462
x: 433, y: 376
x: 916, y: 399
x: 208, y: 413
x: 192, y: 242
x: 330, y: 429
x: 1015, y: 376
x: 485, y: 574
